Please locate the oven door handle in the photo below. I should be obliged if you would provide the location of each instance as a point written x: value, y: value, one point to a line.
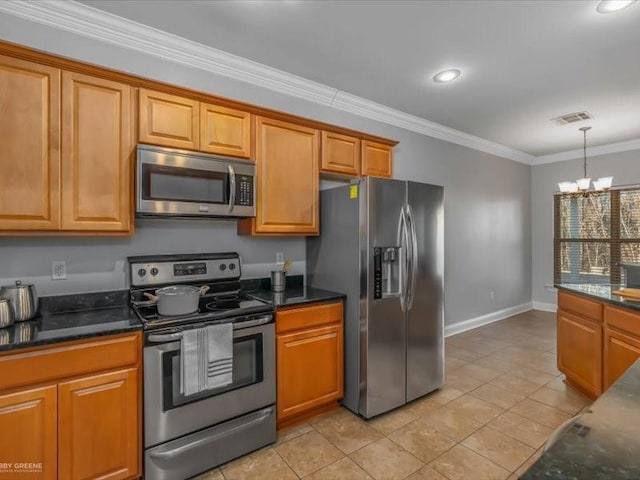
x: 169, y: 454
x: 253, y: 323
x: 232, y: 188
x: 164, y: 337
x: 168, y: 337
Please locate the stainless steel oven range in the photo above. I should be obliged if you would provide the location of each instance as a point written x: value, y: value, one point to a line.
x: 185, y: 435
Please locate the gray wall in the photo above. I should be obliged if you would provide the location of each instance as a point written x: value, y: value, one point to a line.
x: 487, y: 199
x: 625, y: 168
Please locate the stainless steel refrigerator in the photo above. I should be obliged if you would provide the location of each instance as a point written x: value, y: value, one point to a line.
x: 382, y: 244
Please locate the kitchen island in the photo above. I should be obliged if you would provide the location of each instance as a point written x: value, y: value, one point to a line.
x: 601, y: 444
x: 598, y: 335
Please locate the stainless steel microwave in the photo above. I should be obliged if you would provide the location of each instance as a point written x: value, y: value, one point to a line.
x: 180, y: 183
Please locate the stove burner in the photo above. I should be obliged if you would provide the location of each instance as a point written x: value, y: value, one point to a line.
x: 219, y: 305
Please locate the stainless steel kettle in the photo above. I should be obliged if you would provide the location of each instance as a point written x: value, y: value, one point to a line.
x: 6, y: 314
x: 23, y: 298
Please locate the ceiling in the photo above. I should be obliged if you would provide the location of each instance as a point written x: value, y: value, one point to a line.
x: 523, y: 62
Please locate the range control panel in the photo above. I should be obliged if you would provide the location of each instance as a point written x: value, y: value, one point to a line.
x: 154, y: 270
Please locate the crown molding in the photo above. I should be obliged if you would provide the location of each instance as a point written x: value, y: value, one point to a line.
x: 592, y: 151
x: 91, y: 22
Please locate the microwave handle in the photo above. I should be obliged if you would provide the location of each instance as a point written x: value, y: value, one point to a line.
x: 232, y: 188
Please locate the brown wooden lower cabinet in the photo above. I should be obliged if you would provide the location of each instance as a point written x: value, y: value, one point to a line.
x: 621, y: 350
x: 309, y: 361
x: 580, y: 351
x: 98, y: 435
x: 86, y: 426
x: 597, y: 342
x: 28, y: 426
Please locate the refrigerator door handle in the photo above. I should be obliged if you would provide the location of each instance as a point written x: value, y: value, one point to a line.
x: 403, y: 240
x: 414, y: 257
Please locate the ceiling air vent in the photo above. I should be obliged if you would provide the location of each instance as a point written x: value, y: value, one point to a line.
x: 572, y: 118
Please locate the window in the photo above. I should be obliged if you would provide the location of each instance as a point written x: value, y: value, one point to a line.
x: 594, y: 234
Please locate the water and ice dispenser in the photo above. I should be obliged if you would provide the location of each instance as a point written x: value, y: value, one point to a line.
x: 386, y: 271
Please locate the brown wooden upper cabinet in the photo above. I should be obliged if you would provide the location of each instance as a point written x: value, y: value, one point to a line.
x: 97, y: 154
x: 29, y: 145
x: 377, y: 159
x: 225, y: 131
x: 340, y: 154
x: 180, y: 122
x: 169, y: 120
x: 65, y: 151
x: 287, y: 158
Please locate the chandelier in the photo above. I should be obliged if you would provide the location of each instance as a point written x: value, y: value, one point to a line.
x: 582, y: 184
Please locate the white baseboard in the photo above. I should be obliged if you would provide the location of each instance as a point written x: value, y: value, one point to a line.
x: 485, y: 319
x: 545, y: 307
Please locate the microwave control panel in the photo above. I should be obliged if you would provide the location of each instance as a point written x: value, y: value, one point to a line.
x: 244, y: 190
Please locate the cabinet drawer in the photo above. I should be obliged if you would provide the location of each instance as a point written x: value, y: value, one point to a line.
x: 305, y: 317
x: 622, y: 319
x: 580, y: 306
x: 68, y: 360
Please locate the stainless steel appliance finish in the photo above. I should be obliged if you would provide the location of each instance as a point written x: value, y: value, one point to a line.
x: 385, y: 250
x: 187, y: 435
x: 180, y: 458
x: 23, y: 298
x: 172, y: 182
x: 7, y: 316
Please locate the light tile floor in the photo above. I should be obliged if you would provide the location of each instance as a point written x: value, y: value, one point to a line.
x: 503, y: 398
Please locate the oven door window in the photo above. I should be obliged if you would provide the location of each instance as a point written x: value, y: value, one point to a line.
x: 247, y: 369
x: 172, y: 184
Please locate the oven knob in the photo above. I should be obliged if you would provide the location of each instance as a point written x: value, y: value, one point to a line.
x: 154, y: 271
x: 223, y: 267
x: 142, y: 272
x: 232, y: 266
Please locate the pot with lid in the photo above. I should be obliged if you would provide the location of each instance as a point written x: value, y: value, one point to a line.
x: 23, y: 298
x: 177, y: 299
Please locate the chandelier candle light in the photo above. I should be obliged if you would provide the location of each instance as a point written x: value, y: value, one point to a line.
x: 582, y: 184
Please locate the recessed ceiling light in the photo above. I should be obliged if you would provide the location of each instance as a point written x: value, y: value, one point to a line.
x: 446, y: 75
x: 609, y: 6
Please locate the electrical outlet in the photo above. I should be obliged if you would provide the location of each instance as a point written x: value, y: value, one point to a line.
x: 279, y: 258
x: 59, y: 270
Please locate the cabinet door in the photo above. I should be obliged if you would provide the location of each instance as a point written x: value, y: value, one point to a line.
x: 580, y: 351
x: 377, y: 159
x: 310, y: 369
x: 28, y: 422
x: 287, y: 178
x: 29, y: 146
x: 169, y: 120
x: 620, y: 352
x: 225, y: 131
x: 97, y: 153
x: 99, y: 425
x: 340, y: 154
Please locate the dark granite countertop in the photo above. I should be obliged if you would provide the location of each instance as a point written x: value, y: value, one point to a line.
x: 72, y: 317
x: 600, y: 292
x: 296, y: 293
x: 602, y: 444
x: 296, y: 296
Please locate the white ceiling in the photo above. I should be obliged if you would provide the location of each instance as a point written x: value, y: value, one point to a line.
x: 523, y: 62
